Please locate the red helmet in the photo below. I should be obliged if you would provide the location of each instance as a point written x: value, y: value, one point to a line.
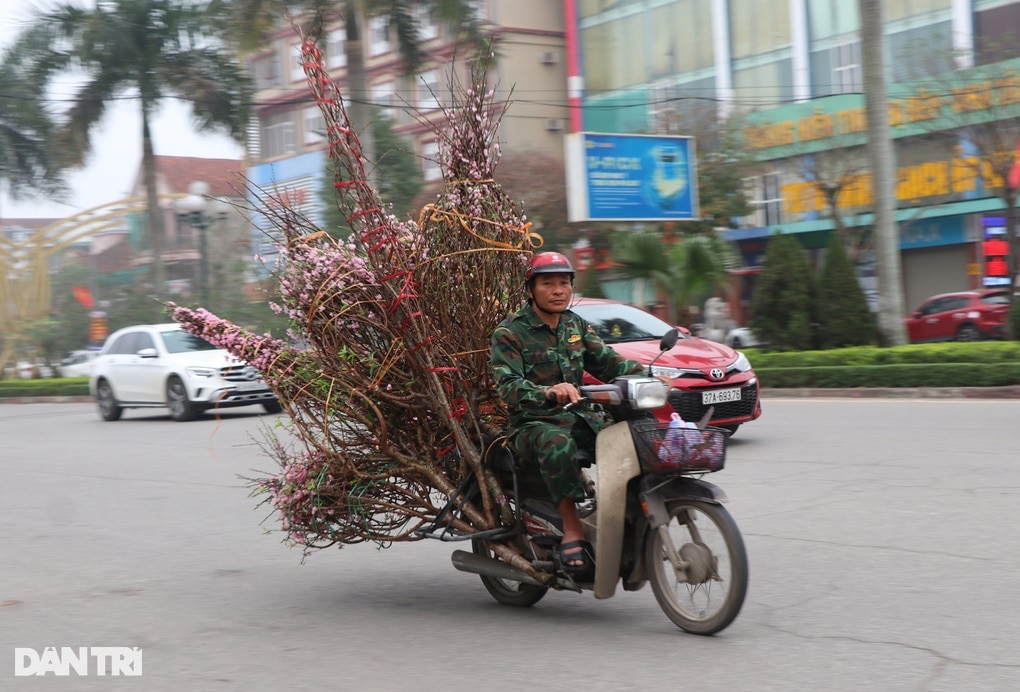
x: 548, y: 263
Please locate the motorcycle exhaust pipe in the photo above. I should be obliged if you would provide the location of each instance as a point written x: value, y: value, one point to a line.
x: 489, y: 567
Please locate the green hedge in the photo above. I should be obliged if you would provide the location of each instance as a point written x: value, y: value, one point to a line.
x: 58, y: 386
x: 981, y: 364
x: 902, y: 375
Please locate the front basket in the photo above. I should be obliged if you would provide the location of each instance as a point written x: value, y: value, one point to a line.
x: 670, y: 451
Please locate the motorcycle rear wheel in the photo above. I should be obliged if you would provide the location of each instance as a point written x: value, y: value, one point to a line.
x: 706, y: 595
x: 506, y: 591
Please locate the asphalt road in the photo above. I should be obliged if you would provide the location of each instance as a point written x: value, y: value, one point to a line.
x: 882, y: 535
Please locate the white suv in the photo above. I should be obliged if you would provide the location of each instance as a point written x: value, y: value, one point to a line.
x: 156, y: 365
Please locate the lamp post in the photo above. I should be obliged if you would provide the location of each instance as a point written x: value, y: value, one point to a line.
x: 201, y: 212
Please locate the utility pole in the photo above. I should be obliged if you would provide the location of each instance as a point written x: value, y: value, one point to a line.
x: 883, y: 163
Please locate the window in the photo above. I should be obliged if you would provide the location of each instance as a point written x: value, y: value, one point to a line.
x: 847, y: 77
x: 183, y: 342
x: 479, y: 9
x: 759, y: 26
x: 430, y: 161
x: 425, y: 18
x: 313, y: 126
x: 124, y: 344
x: 428, y: 90
x: 336, y: 43
x: 764, y: 196
x: 383, y: 96
x: 297, y: 64
x: 677, y: 34
x: 379, y: 35
x: 278, y: 136
x: 267, y: 72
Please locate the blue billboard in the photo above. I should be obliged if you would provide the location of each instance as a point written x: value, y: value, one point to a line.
x: 612, y: 177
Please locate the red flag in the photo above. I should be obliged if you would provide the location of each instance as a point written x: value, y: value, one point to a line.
x: 1014, y: 172
x: 83, y: 296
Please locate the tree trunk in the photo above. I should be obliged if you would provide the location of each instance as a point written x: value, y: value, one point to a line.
x: 157, y: 232
x: 357, y: 83
x: 1013, y: 259
x: 887, y: 246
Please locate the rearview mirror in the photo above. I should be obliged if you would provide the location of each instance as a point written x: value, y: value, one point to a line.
x: 669, y: 340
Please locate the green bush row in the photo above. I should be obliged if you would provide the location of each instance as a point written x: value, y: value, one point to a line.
x: 981, y: 364
x: 66, y: 386
x: 900, y: 375
x: 978, y: 353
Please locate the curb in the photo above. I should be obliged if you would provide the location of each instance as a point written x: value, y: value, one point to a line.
x: 79, y: 399
x: 1005, y: 392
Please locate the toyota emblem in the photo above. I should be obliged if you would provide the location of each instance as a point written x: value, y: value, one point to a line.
x: 717, y: 374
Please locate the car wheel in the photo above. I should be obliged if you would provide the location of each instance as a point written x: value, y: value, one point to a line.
x: 272, y: 406
x: 968, y: 332
x: 181, y: 408
x: 109, y: 409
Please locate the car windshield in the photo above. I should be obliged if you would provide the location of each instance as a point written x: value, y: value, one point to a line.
x: 616, y: 323
x: 181, y: 342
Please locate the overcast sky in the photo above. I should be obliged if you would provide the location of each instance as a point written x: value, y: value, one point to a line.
x: 117, y: 144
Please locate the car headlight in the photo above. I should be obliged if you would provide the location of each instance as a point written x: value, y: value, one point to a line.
x: 671, y: 373
x: 196, y: 371
x: 741, y: 363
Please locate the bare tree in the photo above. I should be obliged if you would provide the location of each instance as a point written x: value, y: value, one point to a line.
x: 977, y: 124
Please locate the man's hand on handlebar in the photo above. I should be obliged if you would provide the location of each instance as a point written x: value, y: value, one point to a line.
x: 563, y: 393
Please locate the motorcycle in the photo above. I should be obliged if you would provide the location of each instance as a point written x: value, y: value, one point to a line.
x: 651, y: 516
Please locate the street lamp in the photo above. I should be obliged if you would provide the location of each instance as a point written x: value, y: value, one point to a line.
x: 202, y: 211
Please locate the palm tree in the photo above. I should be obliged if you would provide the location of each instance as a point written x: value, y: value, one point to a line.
x: 700, y: 266
x: 684, y: 271
x: 250, y: 21
x: 645, y: 258
x: 149, y: 50
x: 28, y: 162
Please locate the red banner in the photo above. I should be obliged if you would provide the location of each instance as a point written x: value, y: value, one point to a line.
x: 83, y: 296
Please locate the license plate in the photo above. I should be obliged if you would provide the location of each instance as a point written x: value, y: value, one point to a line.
x: 249, y: 386
x: 720, y: 396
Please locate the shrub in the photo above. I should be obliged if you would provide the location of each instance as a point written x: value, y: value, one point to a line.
x: 783, y: 301
x: 844, y: 315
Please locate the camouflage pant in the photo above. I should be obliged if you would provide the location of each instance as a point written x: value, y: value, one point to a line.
x: 554, y: 449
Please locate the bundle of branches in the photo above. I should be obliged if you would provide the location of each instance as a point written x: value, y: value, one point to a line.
x: 392, y: 399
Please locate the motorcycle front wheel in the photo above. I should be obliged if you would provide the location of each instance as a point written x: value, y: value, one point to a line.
x: 697, y: 566
x: 506, y: 591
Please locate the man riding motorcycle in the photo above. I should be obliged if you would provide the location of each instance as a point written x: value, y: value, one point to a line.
x: 539, y: 356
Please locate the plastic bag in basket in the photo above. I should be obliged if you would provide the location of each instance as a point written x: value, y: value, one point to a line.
x: 677, y: 441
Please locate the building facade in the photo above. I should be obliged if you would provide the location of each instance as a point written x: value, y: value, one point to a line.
x: 287, y: 158
x: 788, y: 74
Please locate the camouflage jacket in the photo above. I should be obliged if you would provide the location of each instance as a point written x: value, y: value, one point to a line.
x: 528, y: 357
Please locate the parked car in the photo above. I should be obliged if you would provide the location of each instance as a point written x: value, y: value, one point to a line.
x: 960, y: 316
x: 77, y: 364
x: 161, y: 365
x: 705, y: 373
x: 742, y: 337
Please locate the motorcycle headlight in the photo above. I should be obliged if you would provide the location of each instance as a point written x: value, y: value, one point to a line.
x: 204, y: 373
x: 647, y: 393
x: 741, y: 363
